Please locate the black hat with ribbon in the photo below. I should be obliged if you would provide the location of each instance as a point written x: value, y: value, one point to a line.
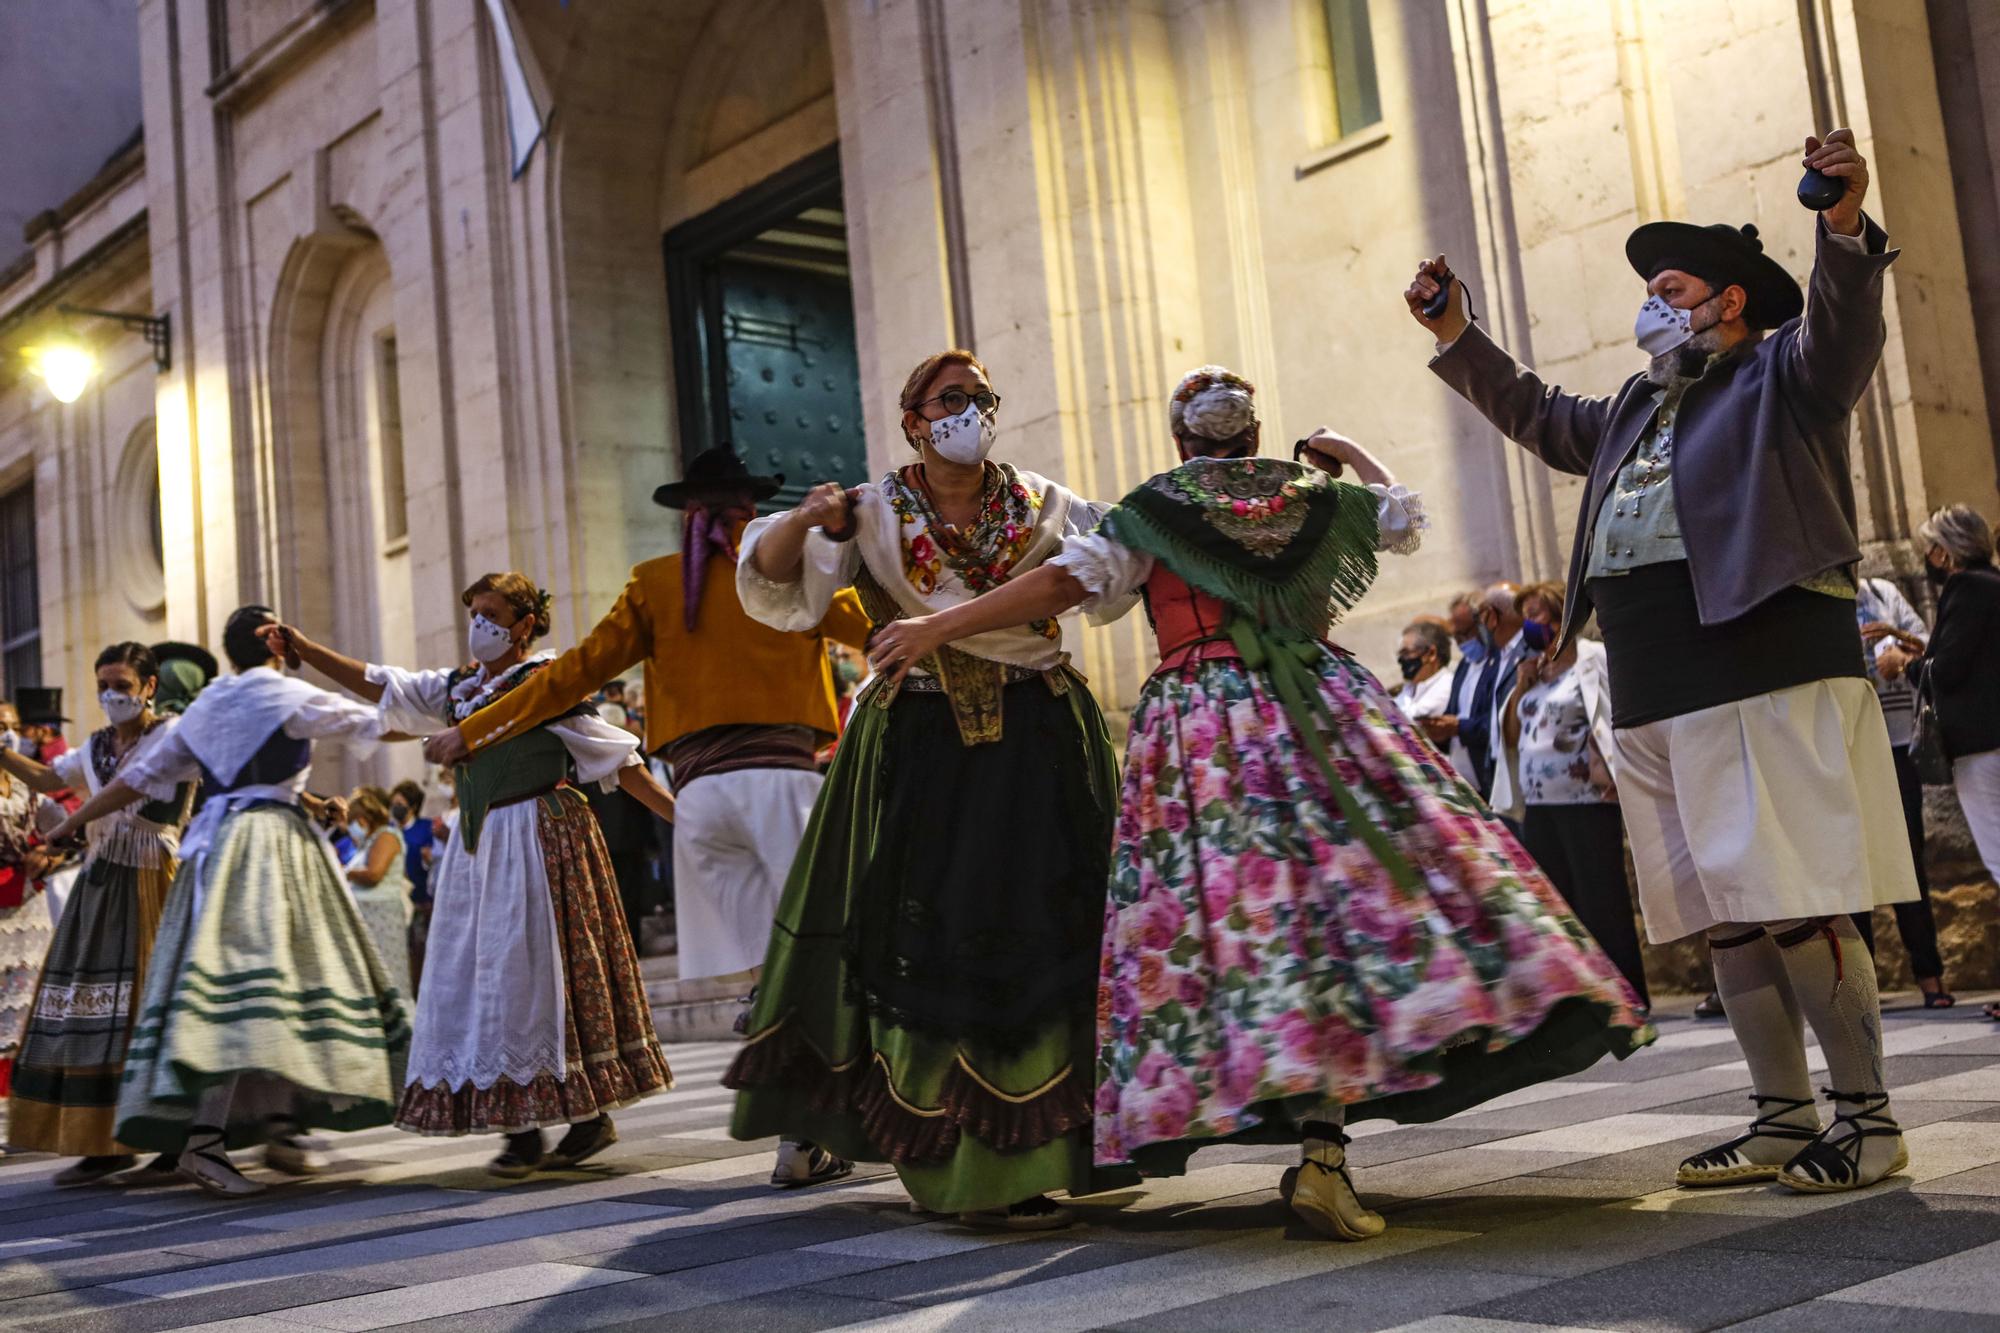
x: 713, y: 470
x: 39, y: 706
x: 1721, y: 256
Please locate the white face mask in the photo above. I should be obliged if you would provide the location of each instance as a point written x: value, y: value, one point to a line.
x: 486, y: 641
x: 11, y: 739
x: 966, y: 438
x: 1660, y: 327
x: 357, y: 834
x: 121, y: 708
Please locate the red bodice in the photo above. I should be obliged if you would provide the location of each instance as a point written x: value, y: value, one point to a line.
x: 1187, y: 624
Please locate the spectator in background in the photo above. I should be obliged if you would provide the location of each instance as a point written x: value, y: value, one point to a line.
x: 1422, y: 659
x: 611, y: 705
x: 1555, y: 728
x: 1469, y: 635
x: 406, y: 812
x: 1501, y: 623
x: 41, y: 719
x: 375, y: 877
x: 1962, y: 664
x: 1895, y: 636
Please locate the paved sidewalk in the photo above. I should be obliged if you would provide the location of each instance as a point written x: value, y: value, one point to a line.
x: 1548, y: 1207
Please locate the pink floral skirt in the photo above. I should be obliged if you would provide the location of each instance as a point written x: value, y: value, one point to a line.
x: 1260, y: 962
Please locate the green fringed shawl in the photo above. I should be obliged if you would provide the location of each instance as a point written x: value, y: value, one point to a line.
x: 1286, y: 547
x: 1283, y: 544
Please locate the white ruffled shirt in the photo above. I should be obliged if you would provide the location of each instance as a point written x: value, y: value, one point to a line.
x: 881, y: 543
x: 417, y: 703
x: 1114, y: 573
x: 492, y: 1005
x: 227, y: 725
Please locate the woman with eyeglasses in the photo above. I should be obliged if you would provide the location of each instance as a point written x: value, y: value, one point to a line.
x: 928, y: 995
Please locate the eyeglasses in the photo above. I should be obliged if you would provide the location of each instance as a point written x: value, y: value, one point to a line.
x: 954, y: 401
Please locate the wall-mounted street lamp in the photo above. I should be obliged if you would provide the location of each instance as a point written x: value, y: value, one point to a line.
x: 66, y: 365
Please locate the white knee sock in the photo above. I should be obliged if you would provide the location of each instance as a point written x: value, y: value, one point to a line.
x: 1764, y: 1015
x: 1834, y: 978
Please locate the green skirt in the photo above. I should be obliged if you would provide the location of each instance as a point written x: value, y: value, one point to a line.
x: 269, y: 981
x: 929, y: 995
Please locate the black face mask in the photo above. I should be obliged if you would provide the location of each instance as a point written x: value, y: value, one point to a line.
x: 1410, y: 666
x: 399, y: 813
x: 1937, y: 574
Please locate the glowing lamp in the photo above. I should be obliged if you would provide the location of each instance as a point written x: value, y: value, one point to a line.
x: 66, y: 367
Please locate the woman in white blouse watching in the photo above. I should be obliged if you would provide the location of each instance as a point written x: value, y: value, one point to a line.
x: 1558, y: 720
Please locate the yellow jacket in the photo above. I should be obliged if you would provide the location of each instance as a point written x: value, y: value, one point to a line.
x: 731, y: 670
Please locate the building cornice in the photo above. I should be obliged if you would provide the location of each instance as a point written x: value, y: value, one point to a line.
x: 127, y: 235
x: 127, y: 163
x: 315, y: 28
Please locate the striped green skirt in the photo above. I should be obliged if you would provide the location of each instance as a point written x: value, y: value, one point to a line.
x: 263, y: 973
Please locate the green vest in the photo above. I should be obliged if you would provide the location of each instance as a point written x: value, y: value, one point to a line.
x: 505, y: 772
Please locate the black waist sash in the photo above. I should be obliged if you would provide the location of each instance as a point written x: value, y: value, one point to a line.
x: 1666, y: 663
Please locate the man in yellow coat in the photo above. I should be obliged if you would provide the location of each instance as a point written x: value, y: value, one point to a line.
x: 736, y: 709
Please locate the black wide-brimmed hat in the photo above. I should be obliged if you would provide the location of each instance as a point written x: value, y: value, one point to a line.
x: 717, y: 469
x: 173, y: 650
x: 1721, y: 256
x: 39, y: 706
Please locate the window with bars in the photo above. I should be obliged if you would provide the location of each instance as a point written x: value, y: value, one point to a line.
x: 1357, y: 100
x: 20, y: 591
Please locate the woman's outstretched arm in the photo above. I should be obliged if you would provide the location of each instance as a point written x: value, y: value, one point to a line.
x: 287, y: 642
x: 1037, y: 595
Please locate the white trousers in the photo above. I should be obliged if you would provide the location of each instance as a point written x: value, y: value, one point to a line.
x: 735, y: 835
x: 1977, y: 778
x: 1778, y: 806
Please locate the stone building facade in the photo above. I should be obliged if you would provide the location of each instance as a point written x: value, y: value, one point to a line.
x: 411, y: 342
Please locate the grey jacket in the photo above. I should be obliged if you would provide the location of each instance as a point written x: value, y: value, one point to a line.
x: 1760, y: 476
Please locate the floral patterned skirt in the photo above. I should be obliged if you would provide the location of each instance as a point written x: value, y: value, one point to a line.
x: 1259, y: 961
x: 612, y: 1056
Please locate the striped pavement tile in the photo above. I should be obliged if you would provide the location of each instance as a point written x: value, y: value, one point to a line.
x: 1498, y: 1216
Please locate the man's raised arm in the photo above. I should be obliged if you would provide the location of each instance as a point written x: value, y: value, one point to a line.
x: 1561, y: 429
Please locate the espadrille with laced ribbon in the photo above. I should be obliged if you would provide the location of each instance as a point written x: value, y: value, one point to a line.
x: 1832, y: 1162
x: 1741, y: 1161
x: 1321, y: 1192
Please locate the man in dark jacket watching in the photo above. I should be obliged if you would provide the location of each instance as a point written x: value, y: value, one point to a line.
x: 1717, y: 546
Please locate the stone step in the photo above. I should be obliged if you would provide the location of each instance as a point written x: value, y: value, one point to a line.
x: 695, y: 1008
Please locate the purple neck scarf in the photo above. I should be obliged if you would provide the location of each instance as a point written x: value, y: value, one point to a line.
x: 701, y: 533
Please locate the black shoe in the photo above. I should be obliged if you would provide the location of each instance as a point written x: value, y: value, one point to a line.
x: 162, y: 1170
x: 1040, y: 1213
x: 89, y: 1170
x: 583, y: 1141
x: 1710, y: 1007
x: 522, y: 1157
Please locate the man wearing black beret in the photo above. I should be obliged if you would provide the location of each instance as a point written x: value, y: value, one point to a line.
x: 1717, y: 547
